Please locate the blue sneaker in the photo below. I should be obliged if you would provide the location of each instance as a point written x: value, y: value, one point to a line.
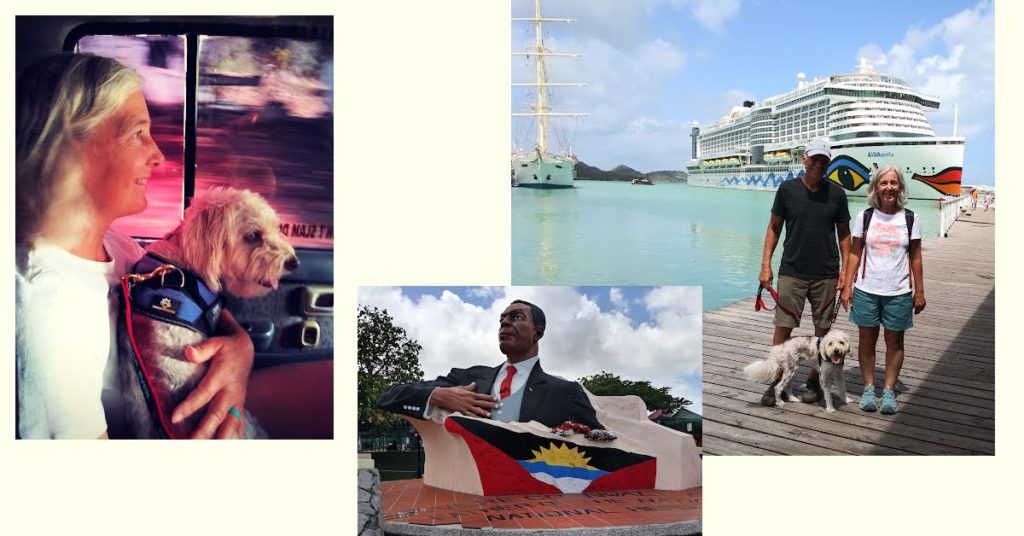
x: 888, y: 402
x: 867, y: 399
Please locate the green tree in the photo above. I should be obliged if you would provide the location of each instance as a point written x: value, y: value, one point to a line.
x: 386, y: 356
x: 608, y: 384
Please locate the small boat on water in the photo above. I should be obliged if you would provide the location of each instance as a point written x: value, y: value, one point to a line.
x: 540, y: 167
x: 643, y: 181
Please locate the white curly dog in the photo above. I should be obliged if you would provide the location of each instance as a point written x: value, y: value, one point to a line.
x: 229, y: 240
x: 826, y: 353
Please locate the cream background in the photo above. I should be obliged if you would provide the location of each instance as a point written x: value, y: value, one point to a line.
x: 423, y: 87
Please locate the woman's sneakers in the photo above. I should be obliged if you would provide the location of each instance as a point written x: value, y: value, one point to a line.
x: 867, y: 400
x: 888, y: 402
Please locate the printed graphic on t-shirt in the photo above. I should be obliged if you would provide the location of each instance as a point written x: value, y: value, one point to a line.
x: 885, y: 240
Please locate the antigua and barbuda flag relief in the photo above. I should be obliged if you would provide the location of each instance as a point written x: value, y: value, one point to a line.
x: 513, y: 463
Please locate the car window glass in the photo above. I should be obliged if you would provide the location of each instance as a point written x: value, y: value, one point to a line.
x: 265, y: 123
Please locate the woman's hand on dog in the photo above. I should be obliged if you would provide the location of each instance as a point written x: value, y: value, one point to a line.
x: 223, y: 386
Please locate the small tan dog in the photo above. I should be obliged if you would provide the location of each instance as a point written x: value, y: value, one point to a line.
x: 826, y: 353
x: 229, y: 240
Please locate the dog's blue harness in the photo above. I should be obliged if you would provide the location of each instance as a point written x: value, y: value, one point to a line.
x: 167, y: 293
x: 178, y: 296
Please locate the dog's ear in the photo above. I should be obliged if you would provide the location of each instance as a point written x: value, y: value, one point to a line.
x: 205, y: 239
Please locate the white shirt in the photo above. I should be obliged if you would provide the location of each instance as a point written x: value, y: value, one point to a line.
x: 523, y: 370
x: 887, y: 253
x: 66, y: 352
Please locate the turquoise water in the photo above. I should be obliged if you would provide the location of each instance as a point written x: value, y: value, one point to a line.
x: 611, y: 233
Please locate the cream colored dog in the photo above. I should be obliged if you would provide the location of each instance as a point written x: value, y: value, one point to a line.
x: 828, y: 353
x: 229, y: 240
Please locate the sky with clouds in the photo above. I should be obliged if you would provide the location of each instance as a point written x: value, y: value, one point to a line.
x: 639, y: 333
x: 652, y: 67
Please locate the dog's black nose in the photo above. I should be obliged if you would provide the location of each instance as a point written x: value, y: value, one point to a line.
x: 291, y: 264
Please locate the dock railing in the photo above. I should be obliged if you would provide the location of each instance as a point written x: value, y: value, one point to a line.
x: 950, y: 210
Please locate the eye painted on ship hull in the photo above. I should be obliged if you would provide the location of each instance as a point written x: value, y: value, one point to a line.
x: 848, y: 173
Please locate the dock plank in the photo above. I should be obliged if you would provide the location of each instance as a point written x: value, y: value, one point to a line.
x: 947, y: 384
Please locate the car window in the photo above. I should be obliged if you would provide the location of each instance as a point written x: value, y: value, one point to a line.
x: 264, y: 121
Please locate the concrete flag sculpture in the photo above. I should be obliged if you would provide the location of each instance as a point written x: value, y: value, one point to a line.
x: 486, y: 457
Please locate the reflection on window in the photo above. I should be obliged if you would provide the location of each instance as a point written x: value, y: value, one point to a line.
x: 160, y: 60
x: 265, y: 123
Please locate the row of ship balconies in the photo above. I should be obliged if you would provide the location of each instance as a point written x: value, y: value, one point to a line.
x: 764, y: 130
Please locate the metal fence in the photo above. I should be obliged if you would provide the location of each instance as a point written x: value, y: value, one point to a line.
x: 400, y: 438
x: 950, y: 210
x: 396, y: 451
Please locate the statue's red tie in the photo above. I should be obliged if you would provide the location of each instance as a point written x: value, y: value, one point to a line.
x: 506, y: 384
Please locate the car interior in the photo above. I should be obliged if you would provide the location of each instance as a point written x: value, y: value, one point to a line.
x: 242, y: 102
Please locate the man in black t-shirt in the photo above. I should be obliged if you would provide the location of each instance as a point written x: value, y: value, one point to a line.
x: 814, y: 211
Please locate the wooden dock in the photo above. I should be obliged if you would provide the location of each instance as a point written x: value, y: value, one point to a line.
x: 946, y: 392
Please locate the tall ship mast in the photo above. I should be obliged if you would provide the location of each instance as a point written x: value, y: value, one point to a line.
x: 539, y: 166
x: 870, y: 119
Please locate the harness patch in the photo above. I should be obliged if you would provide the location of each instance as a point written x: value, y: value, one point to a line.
x: 165, y: 304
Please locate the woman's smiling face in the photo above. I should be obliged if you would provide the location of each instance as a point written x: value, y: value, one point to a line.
x: 118, y: 158
x: 888, y: 189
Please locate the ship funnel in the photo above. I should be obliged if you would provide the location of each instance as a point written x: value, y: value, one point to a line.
x: 694, y: 134
x: 801, y: 80
x: 865, y: 66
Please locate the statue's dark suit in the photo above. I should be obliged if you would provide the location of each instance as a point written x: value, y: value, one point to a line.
x: 547, y: 399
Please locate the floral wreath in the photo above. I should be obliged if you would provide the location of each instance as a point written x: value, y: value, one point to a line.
x: 569, y: 428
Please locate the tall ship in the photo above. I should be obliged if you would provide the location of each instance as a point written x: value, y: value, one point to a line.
x: 537, y: 165
x: 870, y: 120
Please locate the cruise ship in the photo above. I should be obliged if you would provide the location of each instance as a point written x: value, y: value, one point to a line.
x: 870, y: 119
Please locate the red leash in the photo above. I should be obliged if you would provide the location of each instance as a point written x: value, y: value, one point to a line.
x: 145, y: 383
x: 759, y: 303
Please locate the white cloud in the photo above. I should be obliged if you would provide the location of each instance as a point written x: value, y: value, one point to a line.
x: 679, y: 301
x: 953, y: 60
x: 628, y: 72
x: 624, y: 23
x: 622, y: 86
x: 712, y: 13
x: 619, y: 302
x: 580, y: 338
x: 484, y: 292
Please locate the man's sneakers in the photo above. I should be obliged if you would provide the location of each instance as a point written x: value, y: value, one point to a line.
x: 813, y: 393
x: 888, y: 406
x: 768, y: 398
x: 867, y: 400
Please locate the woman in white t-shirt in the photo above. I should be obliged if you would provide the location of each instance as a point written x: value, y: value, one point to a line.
x: 84, y: 156
x: 884, y: 281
